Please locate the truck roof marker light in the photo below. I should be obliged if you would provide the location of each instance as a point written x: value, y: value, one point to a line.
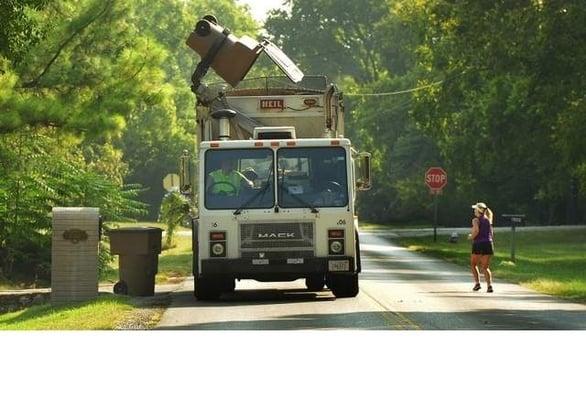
x: 335, y: 142
x: 292, y: 143
x: 214, y: 144
x: 275, y: 144
x: 258, y: 144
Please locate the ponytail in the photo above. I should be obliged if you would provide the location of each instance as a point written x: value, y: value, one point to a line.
x: 488, y: 214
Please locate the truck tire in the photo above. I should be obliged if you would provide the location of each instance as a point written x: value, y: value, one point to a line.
x: 120, y: 288
x: 228, y: 285
x: 206, y: 288
x: 344, y: 285
x: 315, y: 283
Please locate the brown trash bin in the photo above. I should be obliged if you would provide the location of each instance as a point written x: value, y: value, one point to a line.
x: 236, y: 55
x: 138, y: 250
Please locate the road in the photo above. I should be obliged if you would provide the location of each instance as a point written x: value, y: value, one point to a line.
x: 398, y: 290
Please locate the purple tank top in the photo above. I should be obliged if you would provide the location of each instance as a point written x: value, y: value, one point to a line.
x: 484, y: 232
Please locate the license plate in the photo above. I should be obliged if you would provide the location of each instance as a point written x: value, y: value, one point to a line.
x: 339, y: 265
x: 260, y: 261
x: 295, y: 261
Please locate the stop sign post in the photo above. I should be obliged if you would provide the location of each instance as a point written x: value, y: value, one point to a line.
x: 435, y: 179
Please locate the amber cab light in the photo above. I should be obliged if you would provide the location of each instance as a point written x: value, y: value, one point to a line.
x: 217, y: 235
x: 336, y: 233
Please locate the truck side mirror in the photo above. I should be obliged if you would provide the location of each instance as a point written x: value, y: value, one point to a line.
x: 363, y: 172
x: 184, y: 173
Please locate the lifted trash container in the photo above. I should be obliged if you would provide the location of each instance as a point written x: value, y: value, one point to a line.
x: 138, y: 250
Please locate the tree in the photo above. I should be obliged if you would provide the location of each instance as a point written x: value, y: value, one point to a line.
x: 174, y: 211
x: 95, y: 98
x: 332, y: 37
x: 508, y: 99
x: 19, y: 30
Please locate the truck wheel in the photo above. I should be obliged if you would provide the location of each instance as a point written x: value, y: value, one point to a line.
x: 206, y: 288
x: 120, y: 288
x: 228, y: 285
x: 344, y: 285
x: 315, y: 283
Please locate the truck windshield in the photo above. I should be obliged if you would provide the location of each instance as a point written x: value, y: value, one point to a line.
x: 239, y: 179
x: 312, y: 177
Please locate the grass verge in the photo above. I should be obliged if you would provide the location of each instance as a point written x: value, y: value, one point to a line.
x: 106, y: 312
x: 551, y: 262
x: 363, y: 225
x: 175, y: 263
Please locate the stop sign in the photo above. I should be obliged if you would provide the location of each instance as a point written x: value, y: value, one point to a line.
x: 436, y: 178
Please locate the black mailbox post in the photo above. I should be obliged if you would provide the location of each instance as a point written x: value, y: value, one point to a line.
x: 516, y: 219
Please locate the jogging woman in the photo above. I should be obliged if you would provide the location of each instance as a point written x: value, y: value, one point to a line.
x: 482, y: 245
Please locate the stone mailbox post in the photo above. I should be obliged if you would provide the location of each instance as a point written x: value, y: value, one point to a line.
x: 74, y: 254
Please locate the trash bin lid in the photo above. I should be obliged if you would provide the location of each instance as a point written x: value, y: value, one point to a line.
x: 136, y: 229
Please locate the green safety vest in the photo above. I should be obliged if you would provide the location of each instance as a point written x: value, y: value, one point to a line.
x: 232, y: 178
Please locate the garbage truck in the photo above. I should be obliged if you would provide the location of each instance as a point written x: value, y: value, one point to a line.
x: 275, y: 180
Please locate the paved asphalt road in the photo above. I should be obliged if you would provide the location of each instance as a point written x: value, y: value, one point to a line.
x: 398, y: 290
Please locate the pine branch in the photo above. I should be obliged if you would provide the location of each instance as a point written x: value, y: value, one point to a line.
x: 64, y: 44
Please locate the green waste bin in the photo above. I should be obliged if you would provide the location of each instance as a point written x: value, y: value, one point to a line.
x: 138, y: 250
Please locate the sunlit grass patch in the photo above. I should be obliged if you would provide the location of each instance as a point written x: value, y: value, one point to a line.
x: 572, y: 289
x: 175, y: 263
x: 103, y: 313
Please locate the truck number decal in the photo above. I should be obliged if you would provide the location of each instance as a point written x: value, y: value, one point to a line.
x: 342, y: 222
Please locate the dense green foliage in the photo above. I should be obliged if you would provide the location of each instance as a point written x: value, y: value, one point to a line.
x: 96, y: 110
x: 499, y: 99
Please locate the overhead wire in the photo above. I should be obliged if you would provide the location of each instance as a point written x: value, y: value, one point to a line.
x: 415, y: 89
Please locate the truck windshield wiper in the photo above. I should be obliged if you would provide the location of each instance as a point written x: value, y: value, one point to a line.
x: 298, y: 198
x: 238, y: 211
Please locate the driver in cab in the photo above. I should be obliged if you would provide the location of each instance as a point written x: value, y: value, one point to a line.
x: 227, y: 181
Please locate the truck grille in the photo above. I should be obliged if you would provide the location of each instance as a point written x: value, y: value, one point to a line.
x: 276, y: 239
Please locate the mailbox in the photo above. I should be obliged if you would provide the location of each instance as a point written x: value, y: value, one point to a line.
x: 74, y: 254
x: 516, y: 220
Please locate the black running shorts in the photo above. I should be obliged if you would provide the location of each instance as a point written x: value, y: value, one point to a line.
x: 483, y: 248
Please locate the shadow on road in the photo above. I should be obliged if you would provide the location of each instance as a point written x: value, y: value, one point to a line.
x: 243, y: 297
x: 484, y: 320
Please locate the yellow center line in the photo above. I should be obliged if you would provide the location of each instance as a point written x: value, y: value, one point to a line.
x: 406, y: 322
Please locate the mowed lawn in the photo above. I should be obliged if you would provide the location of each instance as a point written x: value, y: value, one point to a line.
x: 175, y: 263
x: 106, y: 312
x: 552, y: 262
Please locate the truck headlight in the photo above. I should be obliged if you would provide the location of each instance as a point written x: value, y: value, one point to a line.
x: 336, y: 247
x: 218, y: 249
